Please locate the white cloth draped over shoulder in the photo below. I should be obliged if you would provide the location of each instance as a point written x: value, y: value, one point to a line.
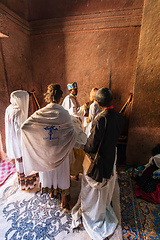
x: 93, y: 207
x: 16, y: 113
x: 71, y: 104
x: 81, y: 136
x: 156, y: 160
x: 94, y: 110
x: 76, y: 156
x: 48, y: 136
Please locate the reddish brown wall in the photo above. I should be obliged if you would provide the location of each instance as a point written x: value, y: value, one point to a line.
x: 48, y: 9
x: 94, y: 50
x: 48, y: 57
x: 15, y: 63
x: 92, y: 42
x: 20, y: 7
x: 144, y: 131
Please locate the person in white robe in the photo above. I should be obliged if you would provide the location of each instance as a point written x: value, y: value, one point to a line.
x: 15, y: 114
x: 77, y: 155
x: 153, y: 161
x: 94, y: 110
x: 48, y: 136
x: 71, y: 104
x: 93, y: 208
x: 152, y: 168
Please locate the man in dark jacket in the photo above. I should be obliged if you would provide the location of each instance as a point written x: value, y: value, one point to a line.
x: 110, y: 135
x: 93, y: 208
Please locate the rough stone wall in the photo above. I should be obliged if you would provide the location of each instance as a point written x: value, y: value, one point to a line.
x: 15, y: 61
x: 49, y: 9
x: 94, y: 50
x: 40, y: 9
x: 144, y: 130
x: 91, y: 42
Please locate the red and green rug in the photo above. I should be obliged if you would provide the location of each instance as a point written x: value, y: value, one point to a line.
x: 140, y: 219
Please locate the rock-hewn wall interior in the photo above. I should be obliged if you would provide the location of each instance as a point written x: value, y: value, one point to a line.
x: 144, y: 131
x: 15, y: 59
x: 95, y: 43
x: 95, y: 50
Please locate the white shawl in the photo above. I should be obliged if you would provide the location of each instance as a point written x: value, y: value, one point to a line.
x: 81, y: 136
x: 16, y: 113
x: 72, y: 106
x: 48, y: 136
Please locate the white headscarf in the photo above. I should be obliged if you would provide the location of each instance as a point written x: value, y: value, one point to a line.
x: 16, y: 113
x: 48, y: 136
x: 20, y: 100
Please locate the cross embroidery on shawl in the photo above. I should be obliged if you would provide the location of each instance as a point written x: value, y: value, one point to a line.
x: 51, y: 131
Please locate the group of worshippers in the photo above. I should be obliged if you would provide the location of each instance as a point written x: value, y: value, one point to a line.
x: 47, y: 145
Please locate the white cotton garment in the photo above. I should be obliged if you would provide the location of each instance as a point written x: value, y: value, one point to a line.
x: 16, y: 113
x: 71, y: 104
x: 48, y: 136
x: 81, y: 136
x: 156, y: 160
x: 94, y: 110
x: 93, y: 207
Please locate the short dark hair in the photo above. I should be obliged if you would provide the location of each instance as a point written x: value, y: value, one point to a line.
x: 104, y: 97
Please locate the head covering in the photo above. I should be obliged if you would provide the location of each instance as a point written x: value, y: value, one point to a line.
x: 20, y: 100
x: 71, y: 86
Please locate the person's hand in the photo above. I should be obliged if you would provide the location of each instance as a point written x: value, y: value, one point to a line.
x: 88, y: 120
x: 87, y: 104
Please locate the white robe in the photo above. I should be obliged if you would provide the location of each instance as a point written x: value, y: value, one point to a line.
x: 94, y: 110
x: 93, y: 205
x: 16, y: 113
x: 156, y: 160
x: 81, y: 136
x: 48, y: 136
x: 72, y: 106
x: 59, y: 178
x: 76, y: 156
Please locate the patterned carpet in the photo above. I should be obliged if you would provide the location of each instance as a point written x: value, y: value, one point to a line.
x: 140, y: 219
x: 30, y: 215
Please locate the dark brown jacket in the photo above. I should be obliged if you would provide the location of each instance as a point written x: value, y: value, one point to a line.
x: 114, y: 127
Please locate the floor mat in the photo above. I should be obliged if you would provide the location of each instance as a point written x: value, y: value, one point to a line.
x: 140, y: 219
x: 31, y: 215
x: 6, y: 169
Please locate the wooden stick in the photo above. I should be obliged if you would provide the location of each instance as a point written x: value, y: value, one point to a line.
x: 128, y: 101
x: 35, y: 98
